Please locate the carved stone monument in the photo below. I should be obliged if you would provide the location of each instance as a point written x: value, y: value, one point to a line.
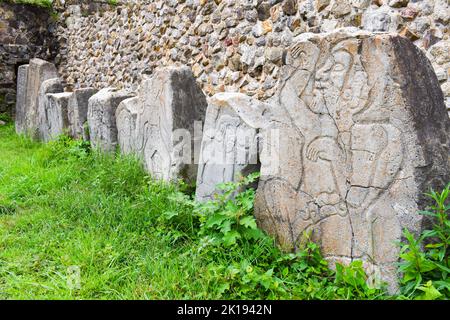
x: 57, y: 115
x: 38, y: 71
x: 230, y: 141
x: 126, y: 116
x: 77, y: 112
x: 22, y: 75
x: 170, y: 105
x: 364, y: 133
x: 48, y: 86
x: 102, y: 118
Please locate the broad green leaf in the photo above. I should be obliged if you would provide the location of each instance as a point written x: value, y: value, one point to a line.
x: 231, y: 237
x: 248, y: 222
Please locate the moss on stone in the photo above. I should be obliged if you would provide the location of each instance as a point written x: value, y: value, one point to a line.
x: 39, y: 3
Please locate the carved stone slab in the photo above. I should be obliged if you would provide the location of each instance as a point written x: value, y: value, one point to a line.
x: 48, y: 86
x: 170, y: 104
x: 21, y: 97
x: 57, y: 115
x: 38, y: 71
x: 102, y: 118
x: 362, y: 136
x: 230, y: 141
x: 126, y: 116
x: 77, y: 112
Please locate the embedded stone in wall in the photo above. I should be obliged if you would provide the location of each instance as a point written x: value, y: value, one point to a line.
x: 77, y: 112
x: 368, y: 135
x: 126, y: 116
x: 48, y: 86
x: 38, y: 71
x: 102, y: 118
x: 57, y: 115
x: 21, y: 96
x: 170, y: 105
x: 381, y: 18
x: 230, y: 141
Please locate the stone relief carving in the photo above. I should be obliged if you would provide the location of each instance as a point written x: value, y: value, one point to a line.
x: 230, y: 141
x: 57, y: 115
x: 343, y: 121
x: 170, y: 104
x: 47, y: 87
x: 101, y: 117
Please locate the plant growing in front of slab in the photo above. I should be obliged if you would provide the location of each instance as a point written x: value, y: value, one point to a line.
x: 245, y: 263
x: 5, y: 117
x: 425, y: 260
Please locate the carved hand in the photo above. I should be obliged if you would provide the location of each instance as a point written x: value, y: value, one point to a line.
x: 325, y: 148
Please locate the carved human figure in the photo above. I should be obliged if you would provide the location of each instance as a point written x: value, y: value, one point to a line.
x: 362, y: 137
x: 344, y: 154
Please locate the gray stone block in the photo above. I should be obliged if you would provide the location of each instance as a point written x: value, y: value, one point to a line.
x: 362, y: 137
x: 57, y: 115
x: 229, y: 147
x: 77, y: 112
x: 171, y: 103
x: 102, y: 118
x: 38, y: 71
x: 126, y: 116
x: 21, y: 98
x: 48, y: 86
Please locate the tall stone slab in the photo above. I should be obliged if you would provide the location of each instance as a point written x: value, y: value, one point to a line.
x: 363, y: 136
x: 102, y: 118
x: 126, y: 116
x: 48, y: 86
x: 229, y: 147
x: 38, y: 71
x: 171, y: 104
x: 57, y: 115
x: 21, y: 98
x: 77, y: 112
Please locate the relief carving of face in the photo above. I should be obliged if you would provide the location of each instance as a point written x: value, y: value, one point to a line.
x: 329, y: 80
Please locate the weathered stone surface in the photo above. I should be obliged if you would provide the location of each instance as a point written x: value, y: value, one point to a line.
x: 362, y: 136
x: 57, y: 115
x: 380, y: 19
x: 22, y: 75
x: 170, y: 105
x: 230, y: 141
x: 48, y: 86
x: 77, y: 112
x: 102, y: 118
x: 126, y: 116
x: 38, y: 72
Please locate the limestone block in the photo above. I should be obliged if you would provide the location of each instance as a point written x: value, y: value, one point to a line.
x: 230, y: 141
x: 21, y: 96
x: 126, y: 116
x: 48, y: 86
x: 102, y: 118
x: 38, y: 71
x: 362, y: 137
x: 57, y: 115
x: 171, y: 104
x: 77, y: 112
x: 379, y: 19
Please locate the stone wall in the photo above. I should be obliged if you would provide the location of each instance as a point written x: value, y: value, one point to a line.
x: 236, y: 46
x: 24, y: 34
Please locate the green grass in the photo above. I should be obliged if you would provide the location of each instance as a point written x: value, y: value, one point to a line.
x: 96, y: 213
x: 62, y: 205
